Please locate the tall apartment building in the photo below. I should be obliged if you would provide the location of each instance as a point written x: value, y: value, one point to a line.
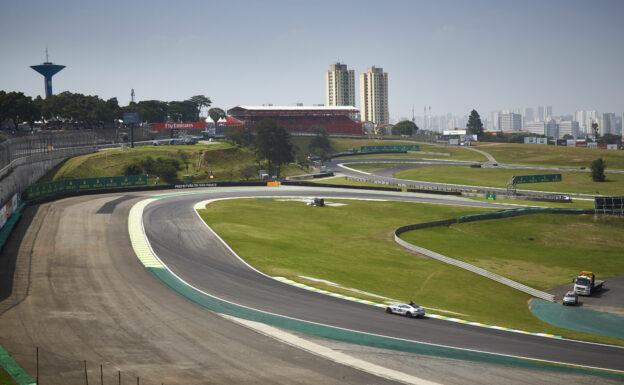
x: 340, y: 83
x: 567, y: 128
x: 538, y: 128
x: 544, y: 113
x: 529, y: 114
x: 607, y: 123
x: 510, y: 122
x: 374, y: 96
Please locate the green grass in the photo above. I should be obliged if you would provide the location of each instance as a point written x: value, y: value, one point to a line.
x: 223, y: 160
x: 456, y: 153
x: 373, y: 166
x: 342, y: 181
x: 5, y: 379
x: 573, y: 182
x: 541, y: 251
x: 542, y: 155
x: 575, y: 204
x: 353, y: 246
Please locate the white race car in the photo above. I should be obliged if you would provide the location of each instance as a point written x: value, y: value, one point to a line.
x: 407, y: 310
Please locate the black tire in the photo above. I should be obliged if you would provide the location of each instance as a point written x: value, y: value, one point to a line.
x: 388, y: 310
x: 410, y: 315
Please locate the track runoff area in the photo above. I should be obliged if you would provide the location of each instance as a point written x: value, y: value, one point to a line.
x: 498, y: 346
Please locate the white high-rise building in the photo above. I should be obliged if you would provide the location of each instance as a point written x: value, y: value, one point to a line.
x: 340, y: 85
x: 510, y: 122
x: 567, y: 128
x: 581, y: 117
x: 538, y: 128
x: 548, y: 112
x: 552, y: 130
x: 607, y: 125
x: 374, y: 96
x: 529, y: 114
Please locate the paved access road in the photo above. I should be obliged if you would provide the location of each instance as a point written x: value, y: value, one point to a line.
x: 179, y: 238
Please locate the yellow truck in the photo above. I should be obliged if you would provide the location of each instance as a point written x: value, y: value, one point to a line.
x: 586, y: 283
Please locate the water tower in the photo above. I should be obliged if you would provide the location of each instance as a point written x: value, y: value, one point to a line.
x: 47, y: 69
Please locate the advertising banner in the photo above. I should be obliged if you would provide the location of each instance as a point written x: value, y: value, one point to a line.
x: 562, y: 142
x: 48, y: 189
x: 602, y: 145
x: 542, y: 140
x: 571, y: 142
x: 179, y: 126
x: 409, y: 147
x: 581, y: 144
x: 611, y: 146
x: 529, y: 140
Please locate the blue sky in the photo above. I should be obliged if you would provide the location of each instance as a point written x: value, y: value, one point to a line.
x: 451, y: 55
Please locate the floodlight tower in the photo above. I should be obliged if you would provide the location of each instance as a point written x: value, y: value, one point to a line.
x: 47, y: 69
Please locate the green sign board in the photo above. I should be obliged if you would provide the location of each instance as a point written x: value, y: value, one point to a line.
x: 410, y: 147
x: 544, y: 178
x: 43, y: 190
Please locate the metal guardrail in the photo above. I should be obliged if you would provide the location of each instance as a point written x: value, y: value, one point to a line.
x: 477, y: 270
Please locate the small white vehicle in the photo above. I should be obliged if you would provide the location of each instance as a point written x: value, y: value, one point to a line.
x: 570, y: 298
x: 408, y: 310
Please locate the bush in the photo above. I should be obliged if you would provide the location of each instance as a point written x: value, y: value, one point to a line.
x: 598, y: 167
x: 132, y: 169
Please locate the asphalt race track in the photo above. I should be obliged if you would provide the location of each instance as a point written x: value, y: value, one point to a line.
x: 72, y: 286
x: 179, y: 239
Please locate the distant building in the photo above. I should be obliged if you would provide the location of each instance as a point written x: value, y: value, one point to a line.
x: 340, y: 86
x: 581, y: 117
x: 335, y: 120
x: 544, y: 113
x: 567, y: 128
x: 374, y: 96
x: 551, y: 129
x: 529, y: 114
x: 607, y: 123
x: 510, y: 122
x: 538, y: 128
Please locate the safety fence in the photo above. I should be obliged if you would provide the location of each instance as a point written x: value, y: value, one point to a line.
x: 411, y: 187
x: 483, y: 216
x: 29, y: 365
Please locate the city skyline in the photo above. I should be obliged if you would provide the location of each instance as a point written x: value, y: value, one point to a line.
x: 451, y: 55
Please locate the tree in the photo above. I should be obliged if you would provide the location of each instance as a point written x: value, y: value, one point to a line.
x: 320, y: 145
x: 594, y: 127
x: 17, y: 107
x: 273, y: 145
x: 247, y: 172
x: 610, y: 139
x: 182, y: 111
x: 216, y: 114
x: 567, y: 136
x: 240, y: 138
x: 199, y: 101
x: 405, y: 127
x: 474, y: 125
x: 598, y: 167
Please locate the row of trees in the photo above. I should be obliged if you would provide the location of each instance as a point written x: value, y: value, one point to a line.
x: 90, y: 111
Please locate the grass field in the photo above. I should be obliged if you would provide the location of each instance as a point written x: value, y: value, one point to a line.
x: 572, y: 182
x: 5, y: 379
x: 223, y: 160
x: 541, y: 155
x: 353, y: 245
x: 576, y: 203
x: 541, y: 251
x: 457, y: 153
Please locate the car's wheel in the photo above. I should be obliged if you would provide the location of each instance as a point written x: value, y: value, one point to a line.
x: 388, y: 310
x: 411, y: 315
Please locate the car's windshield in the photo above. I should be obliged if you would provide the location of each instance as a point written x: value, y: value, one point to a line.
x: 582, y: 281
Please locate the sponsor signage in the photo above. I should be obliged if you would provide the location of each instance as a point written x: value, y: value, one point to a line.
x: 410, y: 147
x: 571, y: 142
x: 179, y: 126
x: 581, y: 144
x: 542, y: 140
x: 43, y: 190
x: 544, y: 178
x: 612, y: 146
x: 131, y: 117
x: 529, y: 140
x: 602, y: 145
x: 562, y: 142
x: 454, y: 132
x: 195, y: 185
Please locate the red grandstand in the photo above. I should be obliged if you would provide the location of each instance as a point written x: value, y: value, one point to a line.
x: 335, y: 120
